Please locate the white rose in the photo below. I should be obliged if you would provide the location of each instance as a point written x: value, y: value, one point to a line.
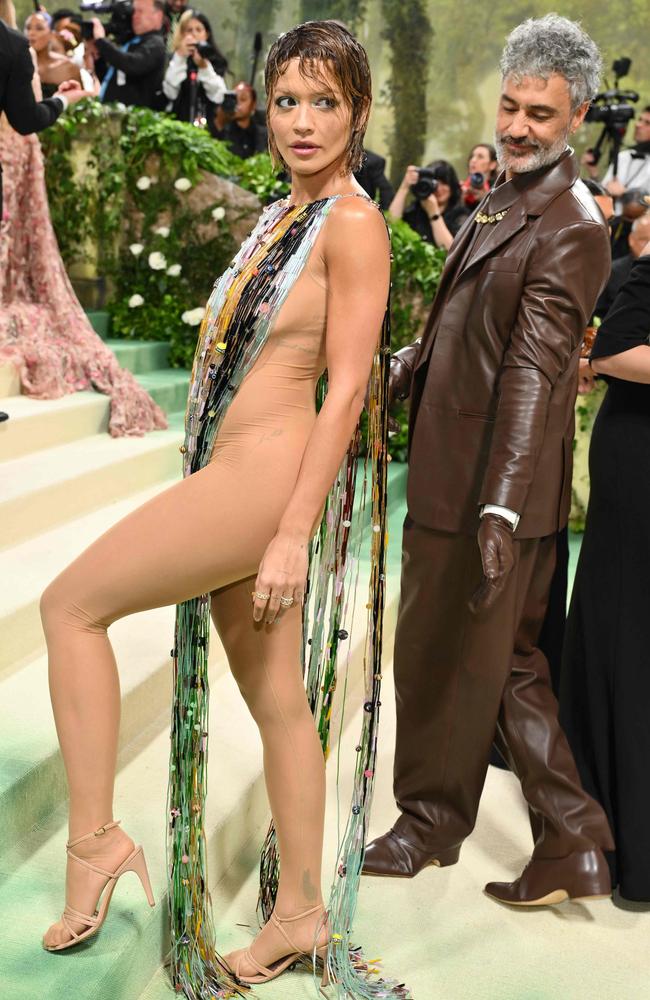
x: 193, y: 316
x: 162, y: 231
x: 182, y: 184
x: 143, y: 183
x: 218, y: 213
x: 135, y: 301
x: 174, y: 270
x: 157, y: 261
x: 136, y: 249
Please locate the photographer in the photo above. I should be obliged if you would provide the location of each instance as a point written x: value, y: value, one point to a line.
x: 132, y: 73
x: 482, y: 172
x: 244, y: 135
x: 194, y: 81
x: 633, y: 169
x: 437, y: 212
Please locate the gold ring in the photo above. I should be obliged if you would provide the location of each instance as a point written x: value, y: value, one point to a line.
x: 286, y: 602
x: 259, y: 596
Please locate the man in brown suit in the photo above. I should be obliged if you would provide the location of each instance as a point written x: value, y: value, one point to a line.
x: 492, y: 388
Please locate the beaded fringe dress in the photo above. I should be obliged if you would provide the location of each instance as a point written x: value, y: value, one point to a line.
x: 239, y: 316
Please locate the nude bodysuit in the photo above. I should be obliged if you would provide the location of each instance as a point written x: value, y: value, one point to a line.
x: 208, y: 533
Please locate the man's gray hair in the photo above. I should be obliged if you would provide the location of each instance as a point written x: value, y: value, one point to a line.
x: 553, y: 44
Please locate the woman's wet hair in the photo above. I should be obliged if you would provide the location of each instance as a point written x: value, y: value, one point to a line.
x: 326, y: 49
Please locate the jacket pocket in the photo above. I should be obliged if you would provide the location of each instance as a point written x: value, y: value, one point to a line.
x: 509, y: 264
x: 475, y: 416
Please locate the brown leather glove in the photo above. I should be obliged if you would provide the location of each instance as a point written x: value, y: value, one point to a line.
x: 495, y: 541
x: 402, y: 365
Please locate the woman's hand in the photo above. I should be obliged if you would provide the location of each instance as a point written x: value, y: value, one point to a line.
x: 431, y: 206
x: 586, y: 380
x: 281, y: 578
x: 409, y: 178
x: 196, y: 58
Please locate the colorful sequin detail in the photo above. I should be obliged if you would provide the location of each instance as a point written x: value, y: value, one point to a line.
x: 239, y: 316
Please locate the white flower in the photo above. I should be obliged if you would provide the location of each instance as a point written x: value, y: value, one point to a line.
x: 157, y: 261
x: 136, y: 249
x: 182, y: 184
x: 162, y: 231
x: 193, y: 316
x: 174, y: 270
x: 218, y: 213
x: 143, y: 183
x: 135, y: 301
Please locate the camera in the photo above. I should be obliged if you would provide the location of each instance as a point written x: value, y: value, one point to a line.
x: 477, y: 180
x: 425, y: 185
x: 613, y: 110
x: 119, y: 22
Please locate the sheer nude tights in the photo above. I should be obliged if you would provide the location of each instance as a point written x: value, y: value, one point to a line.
x: 206, y: 533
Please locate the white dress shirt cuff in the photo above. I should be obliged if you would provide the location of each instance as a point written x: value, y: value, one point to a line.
x: 509, y: 515
x: 63, y: 99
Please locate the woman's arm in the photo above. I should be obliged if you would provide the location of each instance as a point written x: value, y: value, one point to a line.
x: 621, y: 346
x: 176, y: 73
x: 356, y: 253
x: 632, y: 365
x: 396, y: 207
x: 441, y: 235
x: 213, y: 84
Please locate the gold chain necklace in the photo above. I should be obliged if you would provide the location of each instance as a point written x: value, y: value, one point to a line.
x: 482, y: 218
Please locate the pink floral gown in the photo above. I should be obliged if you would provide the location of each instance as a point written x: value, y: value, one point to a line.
x: 44, y: 331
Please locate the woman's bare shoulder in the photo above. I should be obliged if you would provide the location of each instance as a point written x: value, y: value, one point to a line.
x: 357, y: 224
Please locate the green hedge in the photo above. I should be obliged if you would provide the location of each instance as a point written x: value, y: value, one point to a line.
x: 138, y: 168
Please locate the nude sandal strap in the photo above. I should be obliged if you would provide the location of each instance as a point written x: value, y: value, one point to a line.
x: 249, y: 957
x: 95, y: 833
x: 93, y: 868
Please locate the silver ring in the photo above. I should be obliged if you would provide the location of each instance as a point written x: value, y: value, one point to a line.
x: 286, y: 602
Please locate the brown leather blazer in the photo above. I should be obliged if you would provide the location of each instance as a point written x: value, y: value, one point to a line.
x: 495, y: 377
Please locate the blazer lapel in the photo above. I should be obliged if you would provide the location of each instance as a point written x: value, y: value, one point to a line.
x: 500, y: 233
x: 454, y: 257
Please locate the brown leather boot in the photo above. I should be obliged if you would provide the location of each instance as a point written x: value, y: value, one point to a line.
x: 394, y: 857
x: 545, y: 881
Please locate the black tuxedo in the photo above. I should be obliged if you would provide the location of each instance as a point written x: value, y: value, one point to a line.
x: 373, y: 180
x: 17, y: 100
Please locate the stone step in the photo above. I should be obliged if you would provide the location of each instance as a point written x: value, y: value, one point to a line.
x: 32, y: 564
x: 168, y: 387
x: 35, y: 424
x: 134, y: 941
x: 46, y: 488
x: 140, y: 355
x: 32, y: 779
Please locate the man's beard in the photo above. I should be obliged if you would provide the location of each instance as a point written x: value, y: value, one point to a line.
x: 540, y: 155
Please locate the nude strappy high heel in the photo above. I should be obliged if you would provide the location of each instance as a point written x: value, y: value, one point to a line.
x: 294, y: 954
x: 134, y: 863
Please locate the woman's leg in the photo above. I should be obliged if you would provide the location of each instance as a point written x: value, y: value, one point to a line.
x: 178, y: 545
x: 266, y: 663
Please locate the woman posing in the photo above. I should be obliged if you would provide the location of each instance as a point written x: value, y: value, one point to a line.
x: 307, y: 291
x: 53, y: 67
x: 605, y: 680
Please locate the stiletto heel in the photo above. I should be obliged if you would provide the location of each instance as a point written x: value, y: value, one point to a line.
x: 294, y: 954
x: 138, y: 865
x: 134, y: 863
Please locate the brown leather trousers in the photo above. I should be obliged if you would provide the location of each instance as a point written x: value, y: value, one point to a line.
x: 463, y: 681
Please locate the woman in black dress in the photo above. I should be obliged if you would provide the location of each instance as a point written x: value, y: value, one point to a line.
x: 605, y: 685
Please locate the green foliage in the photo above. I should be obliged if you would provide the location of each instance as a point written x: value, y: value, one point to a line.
x: 111, y: 178
x: 415, y: 275
x: 408, y: 31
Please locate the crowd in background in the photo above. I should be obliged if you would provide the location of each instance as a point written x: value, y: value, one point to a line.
x: 169, y: 60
